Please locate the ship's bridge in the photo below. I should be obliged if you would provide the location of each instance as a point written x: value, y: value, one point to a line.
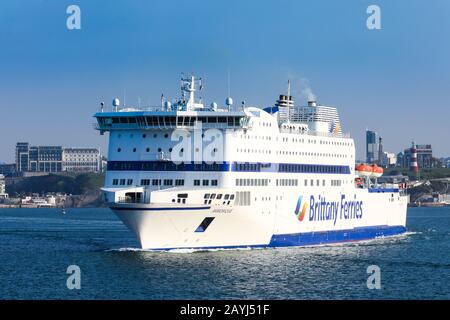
x: 127, y: 120
x: 183, y: 113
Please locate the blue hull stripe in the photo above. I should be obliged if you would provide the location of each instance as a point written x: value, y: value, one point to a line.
x: 339, y: 236
x: 315, y: 238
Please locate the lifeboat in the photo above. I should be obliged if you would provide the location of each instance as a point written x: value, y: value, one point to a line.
x: 363, y: 170
x: 376, y: 171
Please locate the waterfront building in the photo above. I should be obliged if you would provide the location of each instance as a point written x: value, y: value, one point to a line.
x: 388, y: 159
x: 50, y: 159
x: 3, y: 193
x: 81, y: 160
x: 7, y: 169
x: 372, y: 146
x: 38, y: 158
x: 425, y: 158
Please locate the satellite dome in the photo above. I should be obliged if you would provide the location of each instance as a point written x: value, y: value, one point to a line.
x: 214, y: 106
x: 116, y: 102
x: 229, y: 101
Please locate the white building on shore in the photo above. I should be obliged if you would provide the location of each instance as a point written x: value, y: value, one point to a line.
x: 3, y: 193
x: 81, y: 160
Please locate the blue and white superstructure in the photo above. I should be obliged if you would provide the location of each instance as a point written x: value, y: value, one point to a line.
x: 186, y: 175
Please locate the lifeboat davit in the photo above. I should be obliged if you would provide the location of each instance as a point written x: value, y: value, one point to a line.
x: 376, y: 171
x: 364, y: 170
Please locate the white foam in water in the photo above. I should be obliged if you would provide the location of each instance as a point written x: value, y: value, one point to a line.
x: 356, y: 243
x: 181, y: 250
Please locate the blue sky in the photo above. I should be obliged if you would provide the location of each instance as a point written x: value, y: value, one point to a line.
x: 395, y: 80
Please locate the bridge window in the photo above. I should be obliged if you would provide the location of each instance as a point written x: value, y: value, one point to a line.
x: 115, y: 182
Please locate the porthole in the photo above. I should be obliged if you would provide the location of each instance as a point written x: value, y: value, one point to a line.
x: 148, y: 149
x: 134, y: 149
x: 119, y: 149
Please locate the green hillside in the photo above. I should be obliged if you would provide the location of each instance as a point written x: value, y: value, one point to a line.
x: 66, y: 183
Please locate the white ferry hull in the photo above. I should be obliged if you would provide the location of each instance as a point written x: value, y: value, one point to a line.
x: 268, y: 224
x: 185, y: 175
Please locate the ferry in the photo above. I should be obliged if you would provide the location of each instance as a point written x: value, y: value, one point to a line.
x: 185, y: 175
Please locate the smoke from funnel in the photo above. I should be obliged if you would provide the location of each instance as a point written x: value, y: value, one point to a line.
x: 306, y: 91
x: 302, y: 89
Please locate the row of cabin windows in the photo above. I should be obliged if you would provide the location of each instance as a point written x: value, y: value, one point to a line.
x: 159, y: 182
x: 298, y: 140
x: 218, y: 196
x: 252, y: 182
x: 298, y: 168
x: 227, y: 198
x: 146, y: 149
x: 287, y: 182
x: 293, y: 153
x: 205, y: 182
x: 155, y: 135
x: 316, y: 154
x: 122, y: 182
x: 172, y: 120
x: 336, y: 183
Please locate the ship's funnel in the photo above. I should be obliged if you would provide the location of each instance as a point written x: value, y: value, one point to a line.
x: 285, y: 101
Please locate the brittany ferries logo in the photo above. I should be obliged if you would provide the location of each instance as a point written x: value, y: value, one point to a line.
x: 320, y: 209
x: 300, y: 214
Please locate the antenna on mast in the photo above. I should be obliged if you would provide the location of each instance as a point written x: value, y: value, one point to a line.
x: 288, y: 101
x: 228, y: 81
